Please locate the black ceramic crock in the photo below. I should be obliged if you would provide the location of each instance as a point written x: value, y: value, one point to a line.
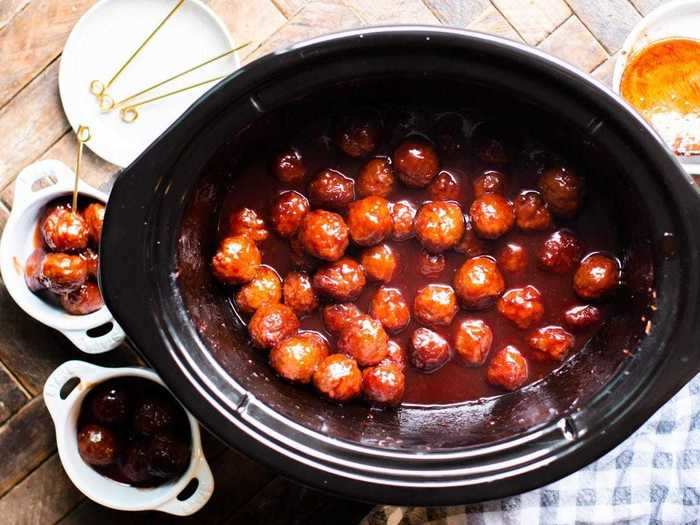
x: 157, y: 241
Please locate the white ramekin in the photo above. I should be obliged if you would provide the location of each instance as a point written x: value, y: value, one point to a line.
x: 18, y: 243
x: 99, y: 488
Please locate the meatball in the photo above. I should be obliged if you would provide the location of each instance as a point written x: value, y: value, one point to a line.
x: 444, y: 187
x: 287, y: 212
x: 271, y: 324
x: 97, y: 445
x: 134, y: 466
x: 389, y: 307
x: 376, y: 178
x: 62, y: 273
x: 331, y: 189
x: 435, y: 305
x: 365, y: 340
x: 439, y: 225
x: 299, y: 294
x: 324, y: 234
x: 560, y: 252
x: 488, y: 148
x: 337, y: 317
x: 429, y: 350
x: 297, y: 357
x: 338, y: 378
x: 357, y: 135
x: 341, y: 281
x: 470, y: 244
x: 247, y: 222
x: 478, y: 282
x: 490, y: 182
x: 403, y: 214
x: 236, y: 260
x: 416, y: 162
x: 379, y: 262
x: 299, y: 258
x: 64, y: 231
x: 492, y: 215
x: 395, y: 355
x: 550, y: 342
x: 383, y: 384
x: 167, y: 456
x: 562, y: 190
x: 83, y: 301
x: 369, y: 220
x: 92, y: 259
x: 512, y: 258
x: 596, y: 276
x: 32, y: 270
x: 264, y: 288
x: 430, y: 264
x: 473, y: 339
x: 523, y: 306
x: 154, y: 414
x: 110, y: 404
x: 94, y: 215
x: 289, y: 166
x: 582, y: 317
x: 531, y: 212
x: 507, y: 369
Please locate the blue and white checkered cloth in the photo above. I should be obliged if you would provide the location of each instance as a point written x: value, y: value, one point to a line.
x: 651, y: 478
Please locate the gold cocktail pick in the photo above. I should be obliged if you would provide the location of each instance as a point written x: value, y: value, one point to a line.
x: 83, y: 135
x: 100, y: 89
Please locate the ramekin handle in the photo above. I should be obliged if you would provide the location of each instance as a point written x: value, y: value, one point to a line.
x: 99, y: 344
x: 205, y: 488
x: 57, y: 407
x: 34, y: 172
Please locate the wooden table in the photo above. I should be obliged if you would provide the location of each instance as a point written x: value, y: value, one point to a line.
x: 33, y: 486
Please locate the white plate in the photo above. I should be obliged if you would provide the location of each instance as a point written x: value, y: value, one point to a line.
x: 101, y: 42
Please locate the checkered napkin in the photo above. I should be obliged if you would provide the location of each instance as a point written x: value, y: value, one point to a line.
x: 653, y: 477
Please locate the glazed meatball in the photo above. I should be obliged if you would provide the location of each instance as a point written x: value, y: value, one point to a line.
x: 264, y: 288
x: 439, y: 225
x: 444, y: 187
x: 64, y: 231
x: 97, y: 445
x: 490, y: 182
x: 403, y: 215
x: 473, y: 339
x: 62, y: 273
x: 379, y: 262
x: 341, y: 281
x: 337, y: 317
x: 416, y: 162
x: 271, y: 324
x: 94, y: 215
x: 299, y: 258
x: 488, y: 148
x: 389, y: 307
x: 550, y: 342
x: 582, y: 317
x: 470, y: 244
x: 369, y: 220
x: 376, y: 178
x: 83, y: 301
x: 32, y: 270
x: 365, y: 340
x: 110, y: 404
x: 247, y: 222
x: 154, y: 414
x: 429, y: 350
x: 560, y: 252
x: 338, y: 378
x: 430, y: 264
x: 287, y: 212
x: 324, y: 234
x: 299, y: 294
x: 236, y: 260
x: 167, y: 456
x: 562, y: 190
x: 331, y: 189
x: 357, y: 135
x: 492, y: 215
x: 396, y: 355
x: 523, y: 306
x: 383, y: 384
x: 531, y: 212
x: 596, y: 276
x: 289, y: 166
x: 512, y: 258
x: 297, y: 357
x: 478, y: 282
x: 92, y: 259
x: 134, y: 467
x: 435, y: 305
x: 507, y: 369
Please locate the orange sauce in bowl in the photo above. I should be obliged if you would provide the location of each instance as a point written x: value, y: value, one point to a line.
x: 662, y: 81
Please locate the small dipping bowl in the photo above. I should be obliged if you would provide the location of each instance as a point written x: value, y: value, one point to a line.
x: 18, y: 243
x: 64, y: 406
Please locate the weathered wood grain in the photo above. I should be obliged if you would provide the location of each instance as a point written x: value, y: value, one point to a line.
x: 575, y: 44
x: 646, y: 6
x: 12, y: 395
x: 457, y: 12
x: 534, y: 19
x: 609, y: 20
x: 9, y: 9
x: 379, y: 12
x: 604, y: 72
x: 289, y: 8
x: 492, y: 21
